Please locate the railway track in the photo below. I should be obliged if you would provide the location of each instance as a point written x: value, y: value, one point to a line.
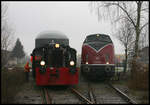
x: 60, y: 96
x: 81, y: 96
x: 93, y: 95
x: 123, y: 95
x: 105, y: 93
x: 46, y: 99
x: 116, y: 96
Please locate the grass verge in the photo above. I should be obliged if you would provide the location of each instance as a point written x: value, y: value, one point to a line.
x: 10, y: 84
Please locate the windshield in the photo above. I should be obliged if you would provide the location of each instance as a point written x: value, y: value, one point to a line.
x: 97, y: 38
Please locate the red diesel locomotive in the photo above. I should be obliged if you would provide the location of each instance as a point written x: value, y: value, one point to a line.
x: 97, y: 59
x: 54, y: 61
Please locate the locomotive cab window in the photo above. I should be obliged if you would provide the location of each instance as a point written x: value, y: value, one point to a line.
x: 97, y: 38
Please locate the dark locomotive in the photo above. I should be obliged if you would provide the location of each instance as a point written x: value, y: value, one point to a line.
x: 97, y: 61
x: 54, y: 61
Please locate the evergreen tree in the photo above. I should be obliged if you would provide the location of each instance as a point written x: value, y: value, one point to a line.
x: 18, y: 51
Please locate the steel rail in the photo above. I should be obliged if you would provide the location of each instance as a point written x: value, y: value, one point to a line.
x: 47, y: 96
x: 79, y: 94
x: 128, y: 99
x: 91, y: 97
x: 41, y: 92
x: 91, y: 93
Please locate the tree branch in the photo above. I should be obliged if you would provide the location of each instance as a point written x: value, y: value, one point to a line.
x: 128, y: 15
x: 143, y: 26
x: 117, y: 4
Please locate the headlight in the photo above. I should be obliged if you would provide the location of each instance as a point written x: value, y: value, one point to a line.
x: 107, y: 62
x: 71, y: 63
x: 57, y: 45
x: 42, y: 63
x: 86, y: 63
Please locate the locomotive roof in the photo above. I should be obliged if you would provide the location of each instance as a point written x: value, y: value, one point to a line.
x: 51, y: 35
x: 97, y: 34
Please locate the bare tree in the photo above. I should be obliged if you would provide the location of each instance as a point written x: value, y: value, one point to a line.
x: 4, y: 10
x: 125, y: 35
x: 135, y: 12
x: 6, y: 35
x: 144, y: 38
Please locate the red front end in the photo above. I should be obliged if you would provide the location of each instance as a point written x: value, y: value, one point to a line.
x: 97, y: 59
x: 56, y: 76
x: 53, y: 60
x: 103, y: 55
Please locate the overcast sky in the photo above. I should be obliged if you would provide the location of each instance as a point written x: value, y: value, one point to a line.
x: 72, y: 18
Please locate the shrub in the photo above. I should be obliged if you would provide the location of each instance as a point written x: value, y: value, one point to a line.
x: 139, y: 75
